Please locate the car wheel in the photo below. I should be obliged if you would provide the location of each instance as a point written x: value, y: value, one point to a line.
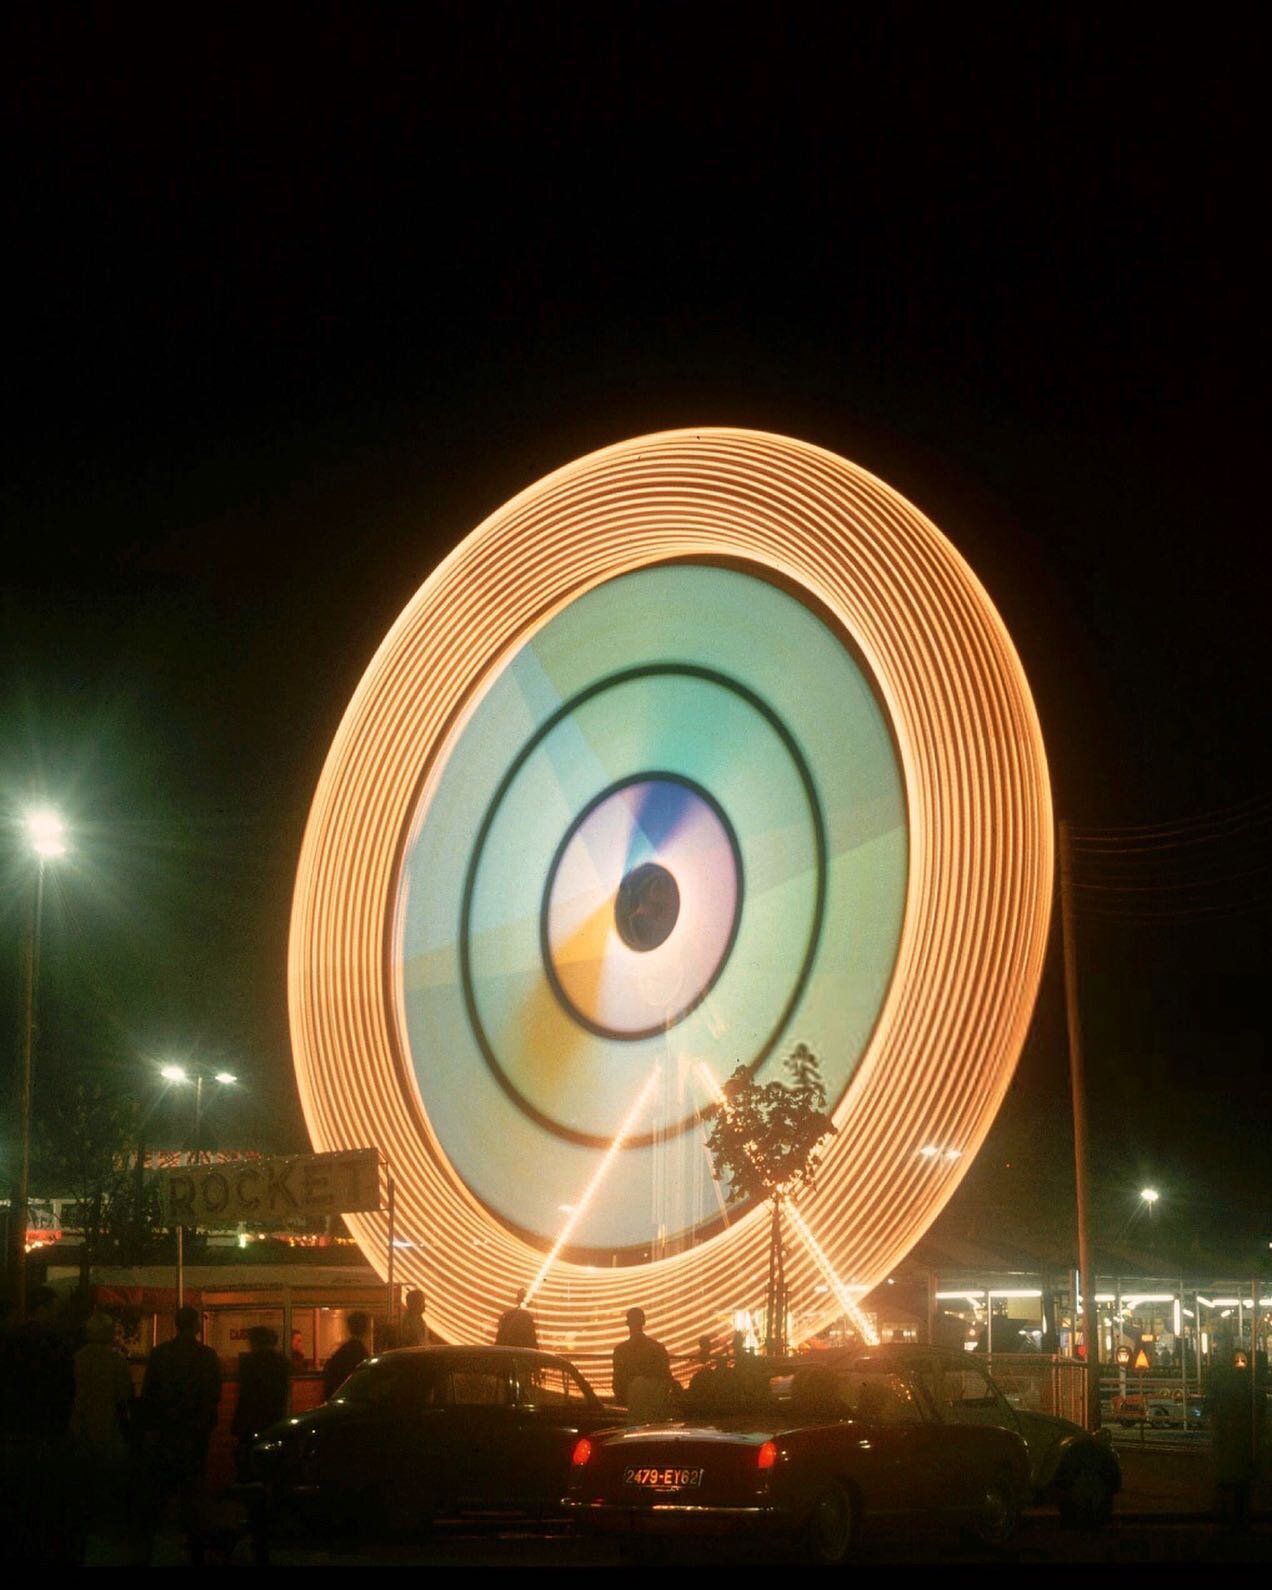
x: 1086, y: 1498
x: 827, y: 1536
x: 998, y: 1514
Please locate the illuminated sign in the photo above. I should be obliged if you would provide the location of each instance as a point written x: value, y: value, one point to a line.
x: 706, y: 745
x: 301, y: 1185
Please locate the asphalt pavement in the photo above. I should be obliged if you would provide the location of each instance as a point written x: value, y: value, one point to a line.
x: 1164, y: 1514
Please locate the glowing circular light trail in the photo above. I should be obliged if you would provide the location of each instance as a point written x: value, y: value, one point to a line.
x: 706, y: 744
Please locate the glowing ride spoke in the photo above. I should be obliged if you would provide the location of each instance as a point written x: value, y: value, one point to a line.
x: 845, y: 1298
x: 594, y: 1186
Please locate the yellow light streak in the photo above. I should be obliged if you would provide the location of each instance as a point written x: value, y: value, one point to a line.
x: 844, y: 1297
x: 594, y: 1186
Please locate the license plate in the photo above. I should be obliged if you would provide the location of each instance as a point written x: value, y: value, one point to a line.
x: 666, y: 1479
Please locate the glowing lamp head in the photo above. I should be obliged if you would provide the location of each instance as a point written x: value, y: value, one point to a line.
x: 1150, y: 1195
x: 47, y: 834
x: 766, y: 1457
x: 226, y: 1077
x: 173, y: 1073
x: 582, y: 1454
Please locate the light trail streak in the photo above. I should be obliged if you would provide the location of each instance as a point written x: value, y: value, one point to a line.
x: 594, y: 1186
x: 843, y: 1296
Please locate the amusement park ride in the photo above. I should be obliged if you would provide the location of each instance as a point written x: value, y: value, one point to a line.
x: 706, y: 745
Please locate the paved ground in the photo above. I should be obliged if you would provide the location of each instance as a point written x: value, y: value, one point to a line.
x: 1163, y: 1515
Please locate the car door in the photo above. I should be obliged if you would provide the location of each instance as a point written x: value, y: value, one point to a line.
x: 469, y: 1425
x: 966, y: 1400
x: 894, y: 1442
x: 554, y: 1407
x: 378, y: 1438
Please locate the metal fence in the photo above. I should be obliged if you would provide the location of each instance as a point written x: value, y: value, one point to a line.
x: 1042, y: 1383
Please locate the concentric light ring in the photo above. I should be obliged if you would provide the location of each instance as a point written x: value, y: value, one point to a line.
x: 978, y: 893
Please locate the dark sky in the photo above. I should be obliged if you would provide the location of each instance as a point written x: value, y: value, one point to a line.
x: 299, y: 294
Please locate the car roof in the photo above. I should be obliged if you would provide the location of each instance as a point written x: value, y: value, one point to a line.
x: 444, y: 1354
x: 885, y: 1352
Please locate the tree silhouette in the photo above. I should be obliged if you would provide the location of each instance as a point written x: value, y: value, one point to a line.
x: 765, y: 1142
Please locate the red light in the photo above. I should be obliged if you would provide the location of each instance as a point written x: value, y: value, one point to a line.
x: 766, y: 1457
x: 582, y: 1453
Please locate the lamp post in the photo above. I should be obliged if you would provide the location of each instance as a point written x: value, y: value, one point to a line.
x: 46, y: 836
x: 1150, y: 1195
x: 180, y: 1075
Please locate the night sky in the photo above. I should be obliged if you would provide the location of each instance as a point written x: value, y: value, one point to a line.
x: 298, y: 295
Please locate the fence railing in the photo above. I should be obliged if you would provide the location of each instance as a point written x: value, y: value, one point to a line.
x: 1042, y: 1383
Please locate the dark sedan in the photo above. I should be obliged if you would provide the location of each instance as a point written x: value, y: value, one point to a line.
x: 425, y: 1433
x: 806, y: 1453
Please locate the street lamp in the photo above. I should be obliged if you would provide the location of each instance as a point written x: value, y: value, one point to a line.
x: 46, y: 835
x: 1150, y: 1195
x: 179, y: 1074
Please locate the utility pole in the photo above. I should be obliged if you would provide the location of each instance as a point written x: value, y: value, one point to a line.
x: 1077, y: 1088
x: 19, y: 1215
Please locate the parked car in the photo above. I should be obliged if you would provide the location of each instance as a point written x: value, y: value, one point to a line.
x: 1159, y: 1410
x: 1073, y: 1468
x: 424, y: 1433
x: 809, y: 1452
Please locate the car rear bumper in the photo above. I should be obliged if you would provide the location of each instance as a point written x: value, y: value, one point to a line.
x: 671, y: 1518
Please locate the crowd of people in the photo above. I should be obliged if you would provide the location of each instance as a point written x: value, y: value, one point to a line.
x: 91, y: 1467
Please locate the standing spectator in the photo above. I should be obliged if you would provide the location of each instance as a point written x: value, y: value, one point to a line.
x: 37, y: 1372
x: 100, y: 1423
x: 414, y: 1332
x: 516, y: 1326
x: 264, y: 1380
x: 642, y: 1370
x: 179, y: 1400
x: 348, y: 1355
x: 37, y: 1393
x: 1237, y: 1417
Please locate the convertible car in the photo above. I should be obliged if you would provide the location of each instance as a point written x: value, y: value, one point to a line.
x: 424, y: 1433
x: 811, y: 1453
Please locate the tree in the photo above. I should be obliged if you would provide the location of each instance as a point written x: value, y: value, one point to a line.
x: 91, y: 1153
x: 765, y: 1142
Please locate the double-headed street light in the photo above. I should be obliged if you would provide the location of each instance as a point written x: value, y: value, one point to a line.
x: 181, y: 1074
x: 46, y: 835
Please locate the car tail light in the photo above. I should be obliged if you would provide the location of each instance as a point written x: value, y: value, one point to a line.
x: 582, y: 1453
x: 766, y: 1457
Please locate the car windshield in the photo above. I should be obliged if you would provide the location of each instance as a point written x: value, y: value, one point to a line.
x: 380, y: 1380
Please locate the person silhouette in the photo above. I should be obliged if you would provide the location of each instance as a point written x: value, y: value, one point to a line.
x: 516, y: 1327
x: 640, y: 1358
